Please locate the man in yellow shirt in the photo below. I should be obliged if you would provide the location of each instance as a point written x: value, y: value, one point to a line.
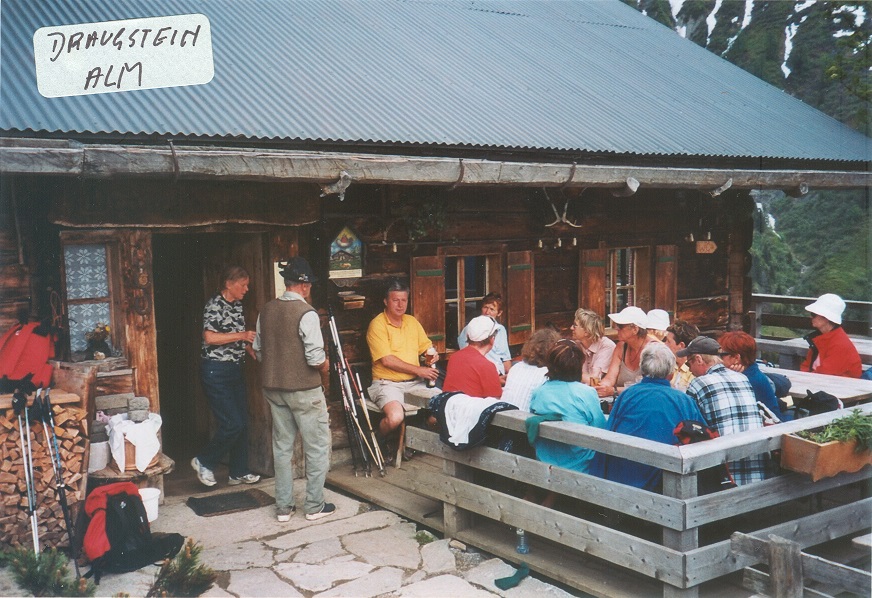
x: 396, y: 340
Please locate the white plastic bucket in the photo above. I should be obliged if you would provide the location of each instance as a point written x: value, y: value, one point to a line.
x: 99, y: 456
x: 150, y: 498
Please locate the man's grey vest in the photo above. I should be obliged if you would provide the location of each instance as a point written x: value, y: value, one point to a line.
x: 284, y: 358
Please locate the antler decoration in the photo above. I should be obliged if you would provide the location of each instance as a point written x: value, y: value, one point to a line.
x: 558, y: 219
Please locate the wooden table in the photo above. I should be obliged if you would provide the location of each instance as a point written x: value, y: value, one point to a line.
x: 792, y: 351
x: 849, y: 390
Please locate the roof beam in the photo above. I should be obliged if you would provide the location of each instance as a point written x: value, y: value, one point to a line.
x: 194, y: 162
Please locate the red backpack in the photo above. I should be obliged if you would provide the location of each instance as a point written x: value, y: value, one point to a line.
x: 24, y: 353
x: 119, y: 539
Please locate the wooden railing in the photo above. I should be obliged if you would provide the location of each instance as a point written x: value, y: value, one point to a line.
x: 484, y: 516
x: 762, y: 316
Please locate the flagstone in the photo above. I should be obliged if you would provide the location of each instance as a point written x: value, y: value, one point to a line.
x: 443, y: 585
x: 393, y: 546
x: 332, y: 528
x: 260, y: 582
x: 437, y: 557
x: 318, y: 552
x: 230, y: 557
x: 381, y: 581
x: 317, y: 578
x: 485, y: 574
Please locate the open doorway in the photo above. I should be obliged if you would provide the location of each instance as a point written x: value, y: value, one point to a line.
x: 187, y: 271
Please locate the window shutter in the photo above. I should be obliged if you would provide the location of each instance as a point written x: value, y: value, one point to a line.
x: 592, y: 280
x: 520, y: 304
x: 666, y: 278
x: 428, y: 297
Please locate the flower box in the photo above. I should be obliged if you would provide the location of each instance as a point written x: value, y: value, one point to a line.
x: 821, y: 460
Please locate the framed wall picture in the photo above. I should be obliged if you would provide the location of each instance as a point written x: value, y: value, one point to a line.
x: 346, y: 258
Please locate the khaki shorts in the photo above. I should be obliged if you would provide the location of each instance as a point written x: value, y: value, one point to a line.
x: 383, y: 391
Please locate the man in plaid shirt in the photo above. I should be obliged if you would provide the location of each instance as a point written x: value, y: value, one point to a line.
x: 727, y: 402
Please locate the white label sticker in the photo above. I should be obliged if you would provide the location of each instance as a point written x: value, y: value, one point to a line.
x: 114, y: 56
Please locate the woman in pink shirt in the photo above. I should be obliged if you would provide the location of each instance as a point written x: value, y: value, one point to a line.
x: 588, y: 333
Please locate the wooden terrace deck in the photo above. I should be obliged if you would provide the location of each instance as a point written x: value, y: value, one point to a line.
x: 466, y: 495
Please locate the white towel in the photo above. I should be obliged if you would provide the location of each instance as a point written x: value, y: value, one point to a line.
x: 142, y: 435
x: 462, y: 413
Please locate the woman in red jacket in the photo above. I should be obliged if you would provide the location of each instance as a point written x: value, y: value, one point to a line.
x: 831, y: 351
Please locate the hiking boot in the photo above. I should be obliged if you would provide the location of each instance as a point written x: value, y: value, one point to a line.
x: 327, y: 509
x: 204, y: 474
x: 284, y: 514
x: 249, y: 478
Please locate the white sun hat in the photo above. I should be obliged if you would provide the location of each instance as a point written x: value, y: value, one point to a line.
x: 631, y: 315
x: 829, y: 306
x: 658, y: 319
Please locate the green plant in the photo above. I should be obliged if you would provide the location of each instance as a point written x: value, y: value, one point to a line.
x: 854, y: 427
x: 183, y: 575
x: 45, y: 574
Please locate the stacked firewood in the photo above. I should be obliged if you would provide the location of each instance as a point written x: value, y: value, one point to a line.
x: 72, y: 438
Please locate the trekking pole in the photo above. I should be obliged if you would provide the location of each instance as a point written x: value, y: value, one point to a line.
x: 358, y: 454
x: 358, y: 387
x: 347, y: 393
x: 46, y: 413
x: 19, y: 405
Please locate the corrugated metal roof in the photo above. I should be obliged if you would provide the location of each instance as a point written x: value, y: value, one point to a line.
x: 588, y: 75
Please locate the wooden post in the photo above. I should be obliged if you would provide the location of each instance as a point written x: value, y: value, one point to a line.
x: 454, y: 518
x: 785, y: 567
x: 680, y: 486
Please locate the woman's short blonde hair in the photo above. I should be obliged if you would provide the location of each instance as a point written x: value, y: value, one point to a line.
x: 536, y: 348
x: 590, y: 322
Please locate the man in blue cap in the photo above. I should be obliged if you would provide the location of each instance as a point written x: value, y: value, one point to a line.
x: 290, y: 347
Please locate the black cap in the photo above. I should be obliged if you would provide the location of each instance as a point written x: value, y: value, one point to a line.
x: 297, y: 269
x: 701, y: 345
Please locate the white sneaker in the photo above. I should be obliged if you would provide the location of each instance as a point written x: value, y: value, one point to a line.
x: 204, y: 474
x: 249, y: 478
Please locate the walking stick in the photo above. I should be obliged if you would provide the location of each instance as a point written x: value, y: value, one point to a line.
x: 358, y: 455
x: 348, y: 391
x: 19, y: 405
x: 379, y: 458
x: 46, y: 414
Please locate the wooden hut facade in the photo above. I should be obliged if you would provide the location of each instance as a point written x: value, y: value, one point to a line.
x: 124, y: 207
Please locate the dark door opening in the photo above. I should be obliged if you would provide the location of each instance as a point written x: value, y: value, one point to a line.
x: 187, y: 269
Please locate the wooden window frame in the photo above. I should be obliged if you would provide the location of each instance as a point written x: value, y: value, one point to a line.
x: 113, y: 274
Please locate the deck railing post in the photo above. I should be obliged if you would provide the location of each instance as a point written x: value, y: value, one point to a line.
x: 785, y: 567
x: 454, y: 518
x: 681, y: 486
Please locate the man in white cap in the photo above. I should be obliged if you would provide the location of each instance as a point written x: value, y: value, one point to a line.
x: 469, y: 370
x: 831, y: 351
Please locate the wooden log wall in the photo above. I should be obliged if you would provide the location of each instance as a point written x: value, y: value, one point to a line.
x: 71, y: 433
x: 712, y: 290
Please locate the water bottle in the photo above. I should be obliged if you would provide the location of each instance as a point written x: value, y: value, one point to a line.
x: 522, y: 547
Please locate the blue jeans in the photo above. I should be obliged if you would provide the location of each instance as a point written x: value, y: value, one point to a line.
x: 224, y: 386
x: 303, y: 412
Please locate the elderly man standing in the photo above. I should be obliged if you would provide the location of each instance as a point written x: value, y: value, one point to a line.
x: 396, y: 340
x: 650, y: 409
x: 291, y: 348
x: 470, y: 371
x: 726, y: 400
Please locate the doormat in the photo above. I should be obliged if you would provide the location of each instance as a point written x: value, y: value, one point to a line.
x: 231, y: 502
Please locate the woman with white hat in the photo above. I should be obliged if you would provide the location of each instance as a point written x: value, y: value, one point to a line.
x: 632, y: 326
x: 831, y: 351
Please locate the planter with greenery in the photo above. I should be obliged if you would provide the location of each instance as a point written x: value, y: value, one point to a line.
x: 843, y: 445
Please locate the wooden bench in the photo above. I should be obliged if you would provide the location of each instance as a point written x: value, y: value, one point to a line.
x: 410, y: 410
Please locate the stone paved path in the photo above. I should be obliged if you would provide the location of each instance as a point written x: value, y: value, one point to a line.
x: 358, y: 552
